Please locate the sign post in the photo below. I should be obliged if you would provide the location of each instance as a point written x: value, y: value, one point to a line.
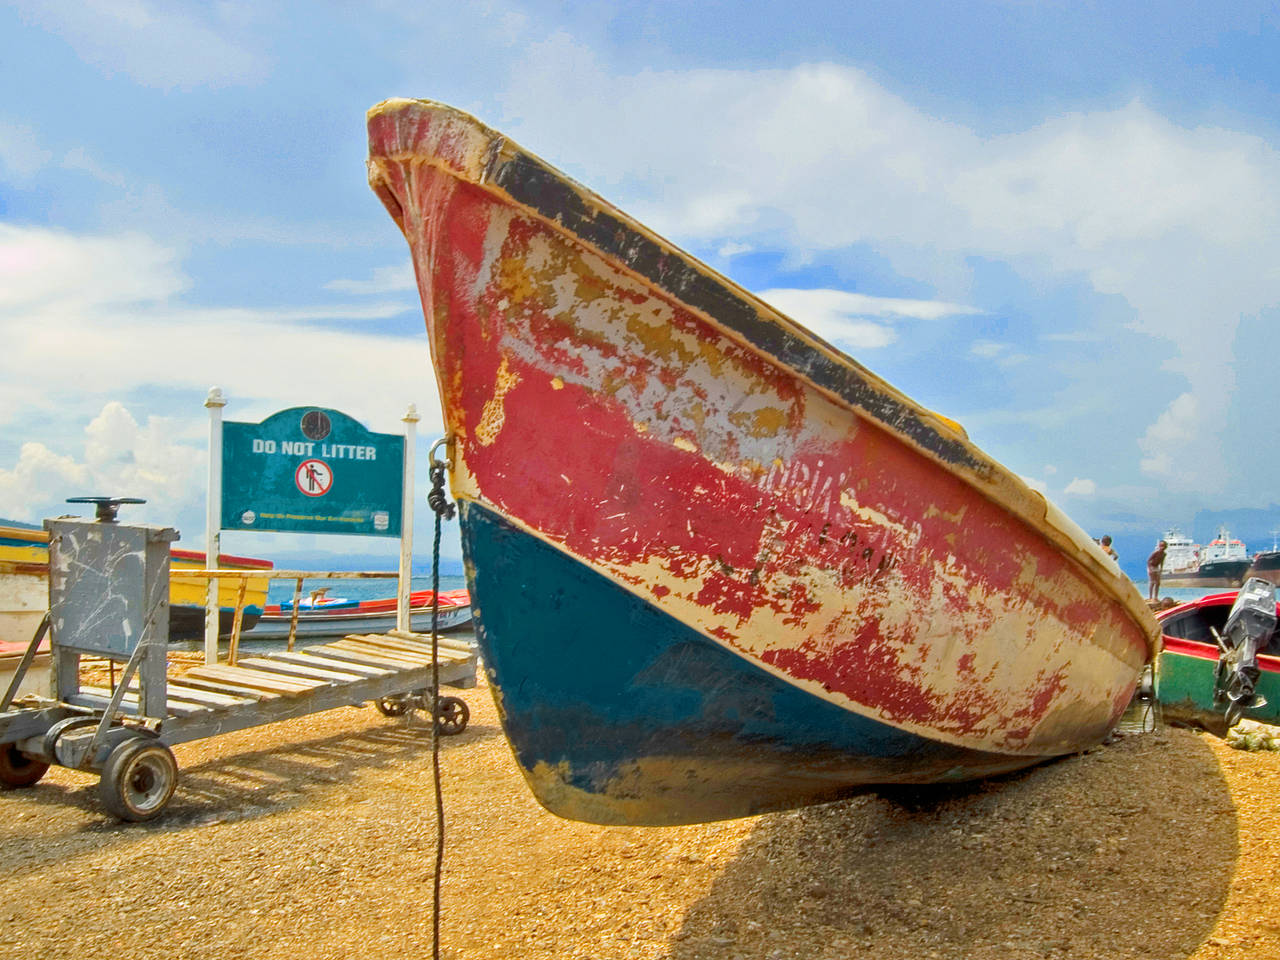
x: 212, y: 529
x: 410, y: 420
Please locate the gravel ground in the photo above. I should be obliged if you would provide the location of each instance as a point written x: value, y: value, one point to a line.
x: 315, y: 838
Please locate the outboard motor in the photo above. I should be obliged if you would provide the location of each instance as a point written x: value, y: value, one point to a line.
x: 1249, y: 628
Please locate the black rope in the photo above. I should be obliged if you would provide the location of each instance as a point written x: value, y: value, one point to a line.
x: 437, y: 499
x: 443, y: 510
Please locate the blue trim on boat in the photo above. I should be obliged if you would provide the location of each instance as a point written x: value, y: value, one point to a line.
x: 306, y: 606
x: 598, y: 688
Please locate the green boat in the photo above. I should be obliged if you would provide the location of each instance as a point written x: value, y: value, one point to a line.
x: 1219, y: 661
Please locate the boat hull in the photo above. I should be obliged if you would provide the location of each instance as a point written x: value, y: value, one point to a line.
x: 186, y: 622
x: 1266, y: 566
x: 755, y: 499
x: 24, y: 598
x: 619, y: 713
x: 273, y: 626
x: 1185, y: 669
x: 1184, y: 684
x: 1213, y: 573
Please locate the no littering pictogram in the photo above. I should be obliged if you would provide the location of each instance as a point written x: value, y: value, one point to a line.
x: 313, y: 477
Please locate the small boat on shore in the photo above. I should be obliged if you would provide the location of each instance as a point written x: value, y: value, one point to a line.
x: 720, y: 567
x: 1191, y: 672
x: 323, y: 616
x: 24, y: 587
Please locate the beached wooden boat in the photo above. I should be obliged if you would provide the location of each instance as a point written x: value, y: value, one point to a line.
x: 325, y: 616
x: 718, y: 567
x: 24, y: 587
x: 1187, y: 674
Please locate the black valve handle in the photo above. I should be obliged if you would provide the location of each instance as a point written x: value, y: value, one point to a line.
x: 108, y: 507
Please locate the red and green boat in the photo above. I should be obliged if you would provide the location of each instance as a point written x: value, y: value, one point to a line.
x: 717, y: 566
x: 1194, y: 672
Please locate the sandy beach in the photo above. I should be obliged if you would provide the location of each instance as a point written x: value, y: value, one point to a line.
x: 315, y: 838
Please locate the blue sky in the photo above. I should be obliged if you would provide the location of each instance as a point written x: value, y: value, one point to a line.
x: 1056, y: 222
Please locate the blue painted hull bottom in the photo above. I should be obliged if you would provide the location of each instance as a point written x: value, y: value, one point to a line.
x: 620, y: 714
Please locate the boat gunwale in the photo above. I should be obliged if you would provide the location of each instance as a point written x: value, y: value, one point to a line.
x: 1268, y: 662
x: 37, y: 536
x: 969, y: 463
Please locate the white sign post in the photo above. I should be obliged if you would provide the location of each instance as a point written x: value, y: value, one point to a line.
x: 212, y: 524
x: 410, y: 421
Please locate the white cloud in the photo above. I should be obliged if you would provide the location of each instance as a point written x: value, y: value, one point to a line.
x: 78, y: 158
x: 1002, y: 353
x: 1081, y: 487
x: 46, y: 270
x: 37, y: 472
x: 1182, y: 223
x: 120, y: 321
x: 158, y: 44
x: 1176, y: 431
x: 841, y: 317
x: 20, y: 152
x: 383, y: 280
x: 860, y: 304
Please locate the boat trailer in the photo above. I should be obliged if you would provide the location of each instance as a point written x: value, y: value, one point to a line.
x: 109, y: 598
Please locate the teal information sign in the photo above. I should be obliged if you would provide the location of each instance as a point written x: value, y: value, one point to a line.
x: 311, y: 470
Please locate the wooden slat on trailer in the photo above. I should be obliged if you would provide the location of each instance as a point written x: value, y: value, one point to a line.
x: 229, y: 689
x: 176, y: 690
x: 398, y: 657
x: 259, y: 679
x: 97, y: 698
x: 409, y: 646
x: 363, y: 653
x: 215, y: 701
x: 292, y: 669
x: 453, y: 643
x: 308, y: 657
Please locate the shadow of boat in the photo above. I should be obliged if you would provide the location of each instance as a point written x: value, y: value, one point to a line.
x: 1089, y: 856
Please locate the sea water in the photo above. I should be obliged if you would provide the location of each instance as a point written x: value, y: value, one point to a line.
x: 1183, y: 594
x: 281, y: 591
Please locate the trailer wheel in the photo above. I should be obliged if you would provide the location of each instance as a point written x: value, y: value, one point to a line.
x: 17, y: 769
x: 138, y: 779
x: 394, y: 707
x: 452, y: 715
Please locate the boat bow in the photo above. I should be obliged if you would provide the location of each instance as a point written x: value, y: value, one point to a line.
x: 626, y: 416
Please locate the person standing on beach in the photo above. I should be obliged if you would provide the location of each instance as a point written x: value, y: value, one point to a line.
x: 1155, y: 563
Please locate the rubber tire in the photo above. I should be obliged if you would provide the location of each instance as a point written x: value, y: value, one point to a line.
x: 17, y: 769
x: 138, y: 779
x: 452, y: 715
x: 391, y: 708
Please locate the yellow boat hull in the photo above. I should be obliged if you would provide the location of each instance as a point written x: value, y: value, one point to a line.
x: 24, y: 559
